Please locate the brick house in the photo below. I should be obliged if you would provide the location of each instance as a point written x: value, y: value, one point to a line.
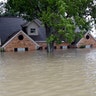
x: 20, y: 42
x: 88, y: 41
x: 18, y: 35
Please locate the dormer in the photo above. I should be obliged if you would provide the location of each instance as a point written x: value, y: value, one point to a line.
x: 32, y: 27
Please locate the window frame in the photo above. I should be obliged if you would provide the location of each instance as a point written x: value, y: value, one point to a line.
x: 33, y: 30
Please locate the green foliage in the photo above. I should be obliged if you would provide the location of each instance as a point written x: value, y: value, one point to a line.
x: 1, y: 49
x: 83, y: 46
x: 61, y: 17
x: 51, y: 38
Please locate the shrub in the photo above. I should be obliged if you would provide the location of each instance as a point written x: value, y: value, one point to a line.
x: 1, y: 49
x: 82, y: 46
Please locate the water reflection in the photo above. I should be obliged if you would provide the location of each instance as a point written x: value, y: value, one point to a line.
x: 64, y: 73
x: 91, y: 70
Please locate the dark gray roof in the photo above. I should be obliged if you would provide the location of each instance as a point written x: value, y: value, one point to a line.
x: 37, y: 21
x: 41, y: 31
x: 9, y: 26
x: 41, y: 35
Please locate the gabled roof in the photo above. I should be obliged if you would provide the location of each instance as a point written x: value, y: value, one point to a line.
x: 41, y: 30
x: 12, y: 37
x: 41, y: 35
x: 9, y: 26
x: 88, y: 33
x: 36, y: 21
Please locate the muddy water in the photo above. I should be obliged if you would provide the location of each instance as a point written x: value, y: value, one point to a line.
x: 64, y: 73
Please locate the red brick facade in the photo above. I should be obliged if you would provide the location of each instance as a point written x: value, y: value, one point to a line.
x: 87, y: 40
x: 16, y: 43
x: 57, y: 46
x: 24, y: 42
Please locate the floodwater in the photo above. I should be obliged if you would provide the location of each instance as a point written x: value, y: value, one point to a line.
x: 69, y: 72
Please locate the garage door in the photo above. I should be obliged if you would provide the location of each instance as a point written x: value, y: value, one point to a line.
x: 88, y: 46
x: 20, y: 49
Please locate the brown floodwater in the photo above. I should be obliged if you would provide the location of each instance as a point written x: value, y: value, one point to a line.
x: 69, y: 72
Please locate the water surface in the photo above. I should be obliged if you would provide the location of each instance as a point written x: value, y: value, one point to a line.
x: 69, y: 72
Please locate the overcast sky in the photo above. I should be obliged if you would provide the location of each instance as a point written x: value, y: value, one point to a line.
x: 3, y: 0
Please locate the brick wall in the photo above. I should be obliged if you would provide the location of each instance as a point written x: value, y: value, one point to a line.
x: 44, y: 45
x: 16, y: 43
x: 87, y: 41
x: 27, y: 43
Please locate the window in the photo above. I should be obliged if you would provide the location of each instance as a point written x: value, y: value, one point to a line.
x: 33, y: 30
x: 46, y: 48
x: 20, y: 37
x: 61, y: 47
x: 87, y: 37
x: 40, y: 48
x: 64, y: 47
x: 26, y: 49
x: 15, y: 49
x: 55, y: 47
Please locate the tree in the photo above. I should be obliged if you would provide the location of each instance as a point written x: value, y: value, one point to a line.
x: 60, y: 17
x: 1, y: 7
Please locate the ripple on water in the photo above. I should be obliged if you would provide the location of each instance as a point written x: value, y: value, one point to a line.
x: 64, y: 73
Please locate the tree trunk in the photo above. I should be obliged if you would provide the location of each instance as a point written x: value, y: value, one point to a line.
x: 50, y: 46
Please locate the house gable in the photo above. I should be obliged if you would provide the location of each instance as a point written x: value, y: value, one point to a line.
x: 87, y: 40
x: 20, y: 40
x: 35, y: 30
x: 32, y: 29
x: 9, y: 26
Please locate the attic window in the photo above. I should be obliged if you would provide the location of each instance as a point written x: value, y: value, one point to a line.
x: 33, y: 30
x: 20, y: 37
x: 87, y: 37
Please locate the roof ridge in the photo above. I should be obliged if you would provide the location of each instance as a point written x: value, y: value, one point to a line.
x: 10, y: 17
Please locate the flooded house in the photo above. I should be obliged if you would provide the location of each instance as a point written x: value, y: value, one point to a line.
x: 16, y: 34
x: 88, y: 41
